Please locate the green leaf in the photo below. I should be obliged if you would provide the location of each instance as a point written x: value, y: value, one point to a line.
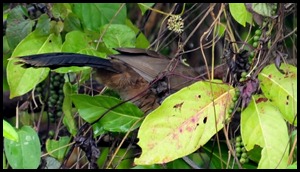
x: 58, y: 148
x: 69, y: 120
x: 240, y: 13
x: 219, y: 29
x: 95, y: 15
x: 59, y: 10
x: 185, y: 121
x: 119, y: 119
x: 213, y: 158
x: 263, y: 125
x: 141, y: 40
x: 118, y: 35
x: 76, y: 41
x: 17, y: 27
x: 43, y: 25
x: 72, y: 22
x: 26, y: 153
x: 145, y: 6
x: 122, y: 160
x: 82, y: 46
x: 293, y: 166
x: 21, y: 80
x: 281, y: 89
x: 9, y: 132
x: 264, y: 9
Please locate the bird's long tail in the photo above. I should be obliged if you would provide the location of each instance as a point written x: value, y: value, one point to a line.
x: 56, y: 60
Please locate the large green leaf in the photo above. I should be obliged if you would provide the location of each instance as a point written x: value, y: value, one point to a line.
x: 26, y: 153
x: 17, y: 27
x: 240, y: 13
x: 185, y: 121
x: 22, y: 80
x: 95, y: 15
x: 263, y: 125
x: 281, y: 89
x: 119, y: 119
x: 118, y: 35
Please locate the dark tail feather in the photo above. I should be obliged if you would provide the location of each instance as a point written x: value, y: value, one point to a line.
x: 56, y: 60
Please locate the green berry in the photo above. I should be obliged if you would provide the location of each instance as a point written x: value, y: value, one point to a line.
x: 244, y: 149
x: 59, y: 114
x: 52, y: 120
x: 244, y: 74
x: 230, y: 111
x: 237, y: 144
x: 255, y: 44
x: 238, y: 139
x: 51, y: 133
x: 252, y: 54
x: 234, y: 99
x: 56, y: 83
x: 255, y: 38
x: 242, y: 160
x: 238, y: 150
x: 258, y: 32
x: 57, y: 78
x: 238, y: 155
x: 244, y: 155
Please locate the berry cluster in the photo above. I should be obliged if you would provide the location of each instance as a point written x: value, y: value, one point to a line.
x: 240, y: 150
x: 56, y: 96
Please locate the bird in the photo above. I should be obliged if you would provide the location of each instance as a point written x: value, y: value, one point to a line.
x: 130, y: 73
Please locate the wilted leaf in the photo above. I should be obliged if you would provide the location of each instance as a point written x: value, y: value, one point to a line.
x: 281, y: 89
x: 185, y: 121
x: 263, y: 125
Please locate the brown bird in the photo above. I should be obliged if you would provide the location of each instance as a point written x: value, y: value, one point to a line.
x: 128, y: 73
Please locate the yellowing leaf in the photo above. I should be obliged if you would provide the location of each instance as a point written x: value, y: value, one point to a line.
x: 185, y: 121
x: 281, y: 89
x: 263, y: 125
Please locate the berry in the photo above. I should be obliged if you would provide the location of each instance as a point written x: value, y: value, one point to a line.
x: 258, y: 32
x: 255, y: 44
x: 242, y: 160
x: 255, y: 38
x: 244, y: 155
x: 238, y: 150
